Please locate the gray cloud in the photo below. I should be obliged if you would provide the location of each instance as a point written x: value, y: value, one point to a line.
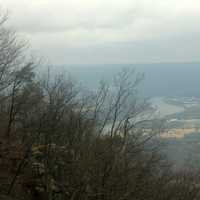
x: 109, y: 31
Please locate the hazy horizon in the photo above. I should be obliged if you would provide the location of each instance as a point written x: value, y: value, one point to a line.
x: 161, y: 79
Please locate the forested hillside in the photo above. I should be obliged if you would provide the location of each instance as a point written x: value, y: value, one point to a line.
x: 61, y: 142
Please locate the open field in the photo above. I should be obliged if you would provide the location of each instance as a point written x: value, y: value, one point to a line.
x: 179, y: 133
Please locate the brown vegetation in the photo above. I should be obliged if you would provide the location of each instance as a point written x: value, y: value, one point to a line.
x: 58, y: 142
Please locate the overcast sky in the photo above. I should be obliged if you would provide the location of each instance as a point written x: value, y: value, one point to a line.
x: 109, y: 31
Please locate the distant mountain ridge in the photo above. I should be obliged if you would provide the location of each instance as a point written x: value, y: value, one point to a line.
x: 167, y: 79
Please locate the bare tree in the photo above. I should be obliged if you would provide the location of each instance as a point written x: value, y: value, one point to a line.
x: 63, y: 143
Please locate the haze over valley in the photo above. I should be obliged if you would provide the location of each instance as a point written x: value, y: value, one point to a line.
x: 99, y: 100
